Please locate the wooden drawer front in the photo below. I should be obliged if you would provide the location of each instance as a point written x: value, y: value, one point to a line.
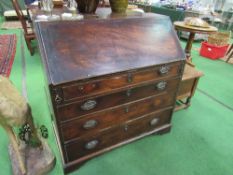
x: 111, y: 117
x: 95, y: 104
x: 101, y: 140
x: 157, y: 101
x: 119, y: 81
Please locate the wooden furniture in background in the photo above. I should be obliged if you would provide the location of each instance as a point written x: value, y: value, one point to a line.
x: 28, y: 32
x: 105, y: 92
x: 175, y: 15
x: 229, y: 53
x: 191, y: 75
x: 58, y: 3
x: 7, y: 6
x: 12, y: 15
x: 181, y: 26
x: 187, y: 86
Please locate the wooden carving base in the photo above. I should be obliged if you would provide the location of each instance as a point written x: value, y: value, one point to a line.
x: 37, y: 161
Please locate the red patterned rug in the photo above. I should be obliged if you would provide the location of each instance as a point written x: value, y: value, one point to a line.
x: 7, y: 53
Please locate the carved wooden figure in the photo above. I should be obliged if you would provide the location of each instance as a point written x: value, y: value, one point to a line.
x: 15, y: 112
x: 13, y: 109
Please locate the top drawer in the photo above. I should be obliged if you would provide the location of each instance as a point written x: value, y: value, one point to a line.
x: 118, y: 81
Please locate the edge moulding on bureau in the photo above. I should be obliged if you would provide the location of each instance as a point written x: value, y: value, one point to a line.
x: 122, y: 86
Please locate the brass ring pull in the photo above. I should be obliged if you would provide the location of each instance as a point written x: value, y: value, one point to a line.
x: 88, y: 105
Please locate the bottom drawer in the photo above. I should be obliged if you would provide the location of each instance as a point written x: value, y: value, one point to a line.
x: 87, y: 145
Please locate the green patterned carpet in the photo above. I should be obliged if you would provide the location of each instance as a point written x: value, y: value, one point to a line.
x: 200, y: 142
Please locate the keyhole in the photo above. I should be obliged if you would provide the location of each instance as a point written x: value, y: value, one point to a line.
x: 126, y: 128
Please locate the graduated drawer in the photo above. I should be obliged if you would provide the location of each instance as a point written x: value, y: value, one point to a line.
x: 108, y: 118
x: 99, y: 141
x: 77, y: 109
x: 117, y: 81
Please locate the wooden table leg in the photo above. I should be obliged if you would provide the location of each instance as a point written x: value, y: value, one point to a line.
x: 229, y: 56
x: 229, y: 53
x: 230, y: 49
x: 189, y: 46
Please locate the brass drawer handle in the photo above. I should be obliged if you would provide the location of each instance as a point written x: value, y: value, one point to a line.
x: 154, y: 121
x: 92, y: 144
x: 163, y: 70
x: 90, y: 124
x: 161, y: 85
x: 88, y: 105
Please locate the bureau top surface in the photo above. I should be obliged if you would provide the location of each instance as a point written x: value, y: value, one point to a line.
x: 77, y: 50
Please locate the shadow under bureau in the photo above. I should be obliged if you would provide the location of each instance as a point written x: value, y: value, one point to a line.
x: 109, y: 81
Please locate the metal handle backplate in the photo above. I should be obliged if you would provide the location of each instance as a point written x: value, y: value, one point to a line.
x: 163, y: 70
x: 88, y: 105
x: 161, y: 85
x: 92, y: 144
x: 154, y: 121
x: 90, y: 124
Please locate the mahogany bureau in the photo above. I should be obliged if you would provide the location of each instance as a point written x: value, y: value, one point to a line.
x: 110, y: 81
